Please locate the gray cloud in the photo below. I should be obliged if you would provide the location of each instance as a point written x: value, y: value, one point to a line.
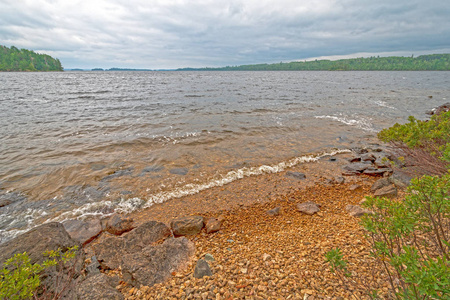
x: 170, y: 34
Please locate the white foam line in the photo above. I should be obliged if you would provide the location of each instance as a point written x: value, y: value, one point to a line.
x: 231, y: 176
x: 362, y: 123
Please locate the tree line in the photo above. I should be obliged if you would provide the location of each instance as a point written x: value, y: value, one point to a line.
x: 14, y: 59
x: 433, y: 62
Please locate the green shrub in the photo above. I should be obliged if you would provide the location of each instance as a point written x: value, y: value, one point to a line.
x: 20, y: 279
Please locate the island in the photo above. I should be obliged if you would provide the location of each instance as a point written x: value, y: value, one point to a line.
x: 23, y: 60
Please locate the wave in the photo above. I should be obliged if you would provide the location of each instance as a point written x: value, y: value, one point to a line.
x: 361, y: 123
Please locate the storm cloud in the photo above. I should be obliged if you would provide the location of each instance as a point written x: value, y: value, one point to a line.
x: 180, y: 33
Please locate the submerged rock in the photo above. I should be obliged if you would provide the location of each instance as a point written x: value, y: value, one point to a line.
x: 179, y: 171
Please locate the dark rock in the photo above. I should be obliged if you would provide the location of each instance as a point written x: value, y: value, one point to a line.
x: 389, y: 191
x: 110, y: 252
x: 354, y: 187
x: 119, y: 173
x: 151, y: 169
x: 368, y: 157
x: 377, y: 172
x: 118, y: 224
x: 356, y: 167
x: 213, y: 225
x: 83, y: 231
x: 401, y: 179
x: 296, y: 175
x: 440, y: 109
x: 309, y: 207
x: 202, y: 269
x: 46, y: 237
x: 274, y: 212
x: 50, y: 236
x: 187, y: 225
x: 156, y: 262
x: 179, y: 171
x: 357, y: 211
x: 354, y: 159
x: 97, y: 287
x: 333, y: 159
x: 380, y: 183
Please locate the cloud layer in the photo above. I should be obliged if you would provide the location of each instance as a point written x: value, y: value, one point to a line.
x: 181, y: 33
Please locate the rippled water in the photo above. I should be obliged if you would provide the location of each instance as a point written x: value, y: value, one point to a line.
x: 81, y: 143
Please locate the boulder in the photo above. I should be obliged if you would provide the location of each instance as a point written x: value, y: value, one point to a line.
x: 110, y: 252
x: 155, y: 263
x: 202, y: 269
x: 401, y: 179
x: 380, y: 183
x: 389, y: 191
x: 118, y: 224
x: 187, y: 225
x: 357, y: 211
x: 83, y: 231
x: 274, y: 211
x: 47, y: 237
x: 296, y: 175
x: 356, y: 167
x: 213, y: 225
x: 50, y: 236
x: 97, y: 287
x: 309, y: 207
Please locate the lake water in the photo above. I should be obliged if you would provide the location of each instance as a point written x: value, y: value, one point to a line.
x: 76, y: 144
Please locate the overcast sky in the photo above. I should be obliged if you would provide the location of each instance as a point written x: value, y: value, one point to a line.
x: 179, y: 33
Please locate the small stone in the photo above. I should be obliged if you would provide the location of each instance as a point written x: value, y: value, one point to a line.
x: 274, y: 212
x: 380, y: 183
x: 213, y: 225
x: 202, y: 269
x: 357, y: 211
x: 309, y: 207
x: 209, y: 257
x: 354, y: 187
x: 296, y: 175
x: 187, y: 225
x: 339, y: 180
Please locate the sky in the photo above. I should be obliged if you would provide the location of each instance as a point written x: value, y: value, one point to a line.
x: 167, y: 34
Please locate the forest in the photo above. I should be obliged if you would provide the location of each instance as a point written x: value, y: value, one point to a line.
x: 433, y: 62
x: 14, y: 59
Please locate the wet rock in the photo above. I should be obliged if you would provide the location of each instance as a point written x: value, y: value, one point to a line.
x: 309, y: 207
x: 119, y: 173
x: 187, y: 225
x: 401, y: 179
x: 179, y: 171
x: 83, y: 231
x: 368, y: 157
x: 118, y: 224
x: 274, y: 212
x: 389, y: 191
x: 151, y: 169
x: 202, y: 269
x: 96, y: 287
x: 213, y: 225
x: 380, y: 183
x: 9, y: 198
x: 357, y: 211
x: 155, y: 263
x: 439, y: 110
x: 296, y: 175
